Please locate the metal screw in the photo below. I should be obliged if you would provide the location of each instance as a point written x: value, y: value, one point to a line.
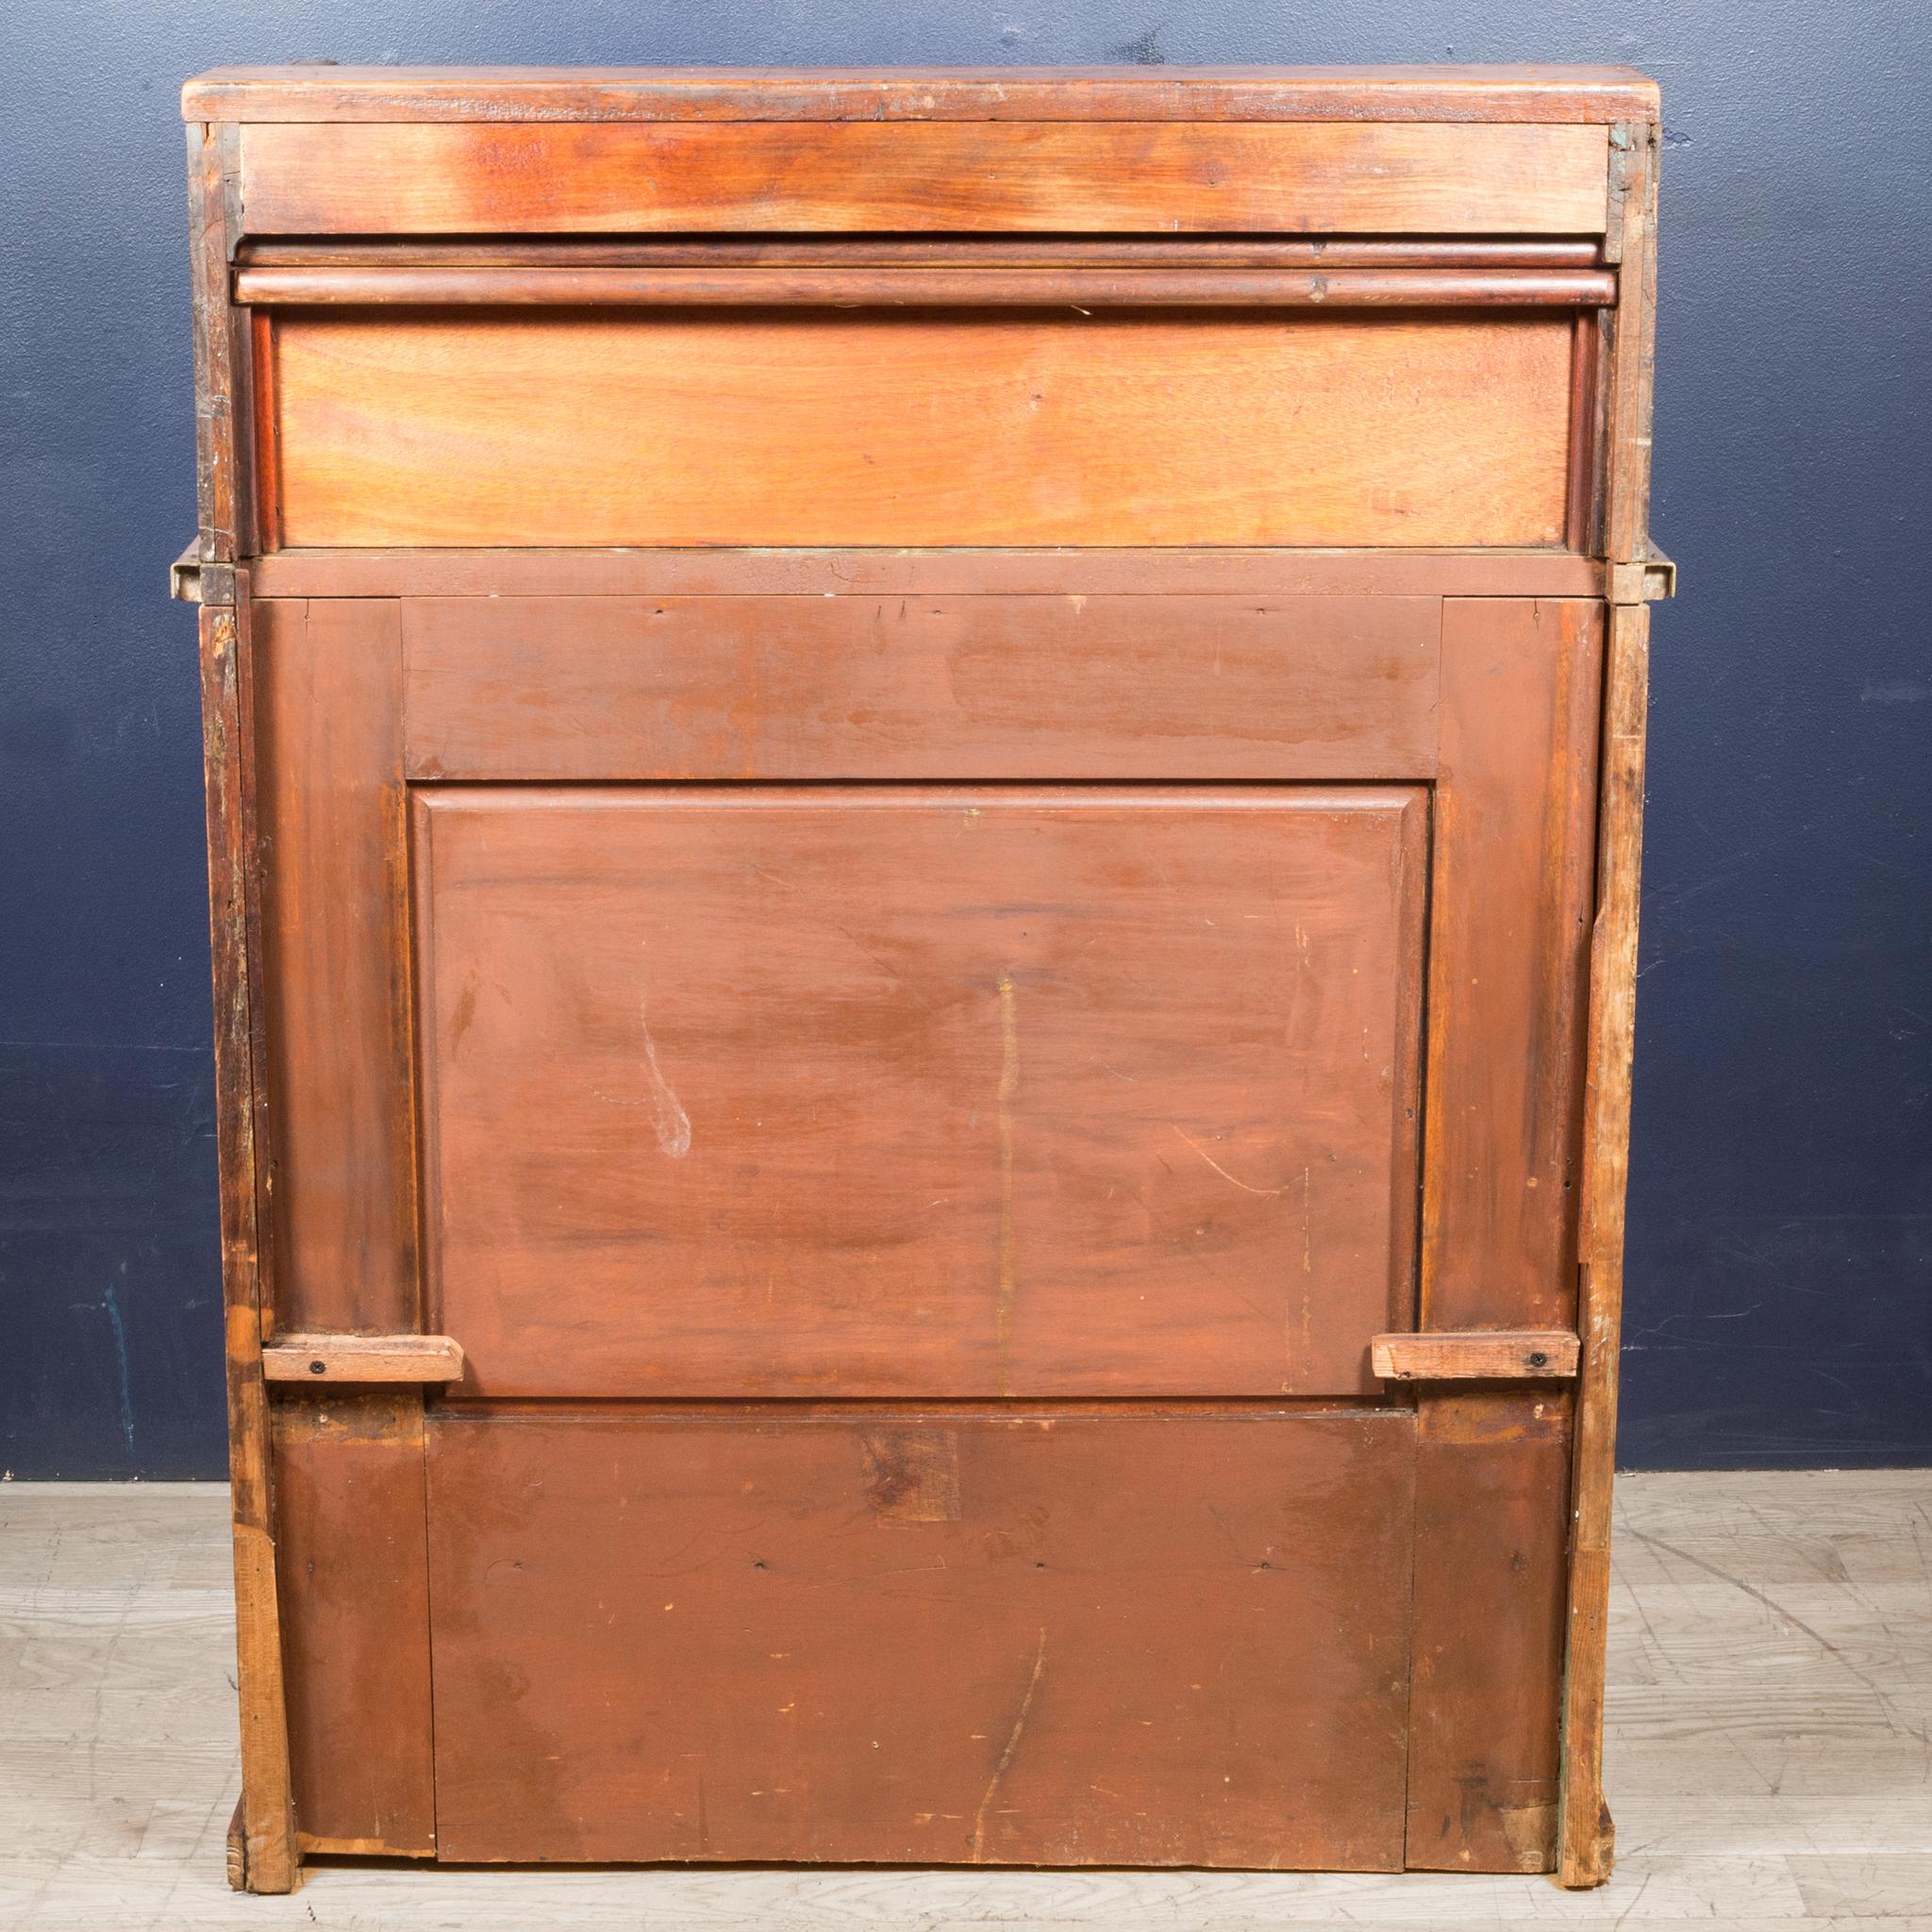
x: 318, y: 1368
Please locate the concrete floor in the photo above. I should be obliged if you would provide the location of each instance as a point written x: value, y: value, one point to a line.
x: 1771, y: 1706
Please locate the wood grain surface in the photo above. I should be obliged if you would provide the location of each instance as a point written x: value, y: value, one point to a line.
x: 476, y: 428
x: 1072, y: 178
x: 328, y: 718
x: 896, y: 1092
x: 352, y: 1552
x: 1508, y: 961
x: 920, y: 687
x: 1541, y: 92
x: 964, y: 1639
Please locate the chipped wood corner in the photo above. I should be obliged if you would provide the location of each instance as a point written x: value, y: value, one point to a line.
x: 1651, y: 580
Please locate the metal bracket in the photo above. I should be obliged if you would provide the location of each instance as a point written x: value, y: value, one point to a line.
x: 1650, y: 580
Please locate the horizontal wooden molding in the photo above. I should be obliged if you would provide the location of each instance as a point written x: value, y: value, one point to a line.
x: 362, y: 1358
x: 1471, y: 1355
x: 920, y: 251
x: 868, y: 287
x: 1513, y: 92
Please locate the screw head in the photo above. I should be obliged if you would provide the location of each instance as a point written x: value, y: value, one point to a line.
x: 1539, y: 1359
x: 318, y: 1368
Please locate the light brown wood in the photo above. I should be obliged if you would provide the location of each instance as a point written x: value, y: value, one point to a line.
x: 1154, y: 92
x: 1633, y: 344
x: 1085, y: 1090
x: 1073, y: 686
x: 430, y: 1358
x: 1123, y: 572
x: 963, y: 1637
x: 1541, y: 1353
x: 1588, y: 1839
x: 398, y: 431
x: 268, y: 1857
x: 966, y: 287
x: 1094, y: 177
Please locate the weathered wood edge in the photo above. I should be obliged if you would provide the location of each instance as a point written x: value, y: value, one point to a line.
x: 268, y: 1859
x: 1587, y: 1836
x: 336, y: 1358
x: 1475, y: 1355
x: 1595, y: 94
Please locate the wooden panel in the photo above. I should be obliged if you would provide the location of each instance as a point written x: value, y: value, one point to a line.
x: 921, y: 687
x: 313, y: 1359
x: 1490, y: 1542
x: 819, y: 429
x: 1508, y: 959
x: 1300, y: 177
x: 884, y: 1092
x: 1125, y: 572
x: 328, y: 716
x: 1502, y: 1354
x: 352, y: 1551
x: 933, y: 1640
x: 1515, y: 93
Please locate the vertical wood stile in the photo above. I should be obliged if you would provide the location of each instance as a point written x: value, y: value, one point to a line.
x: 1588, y: 1841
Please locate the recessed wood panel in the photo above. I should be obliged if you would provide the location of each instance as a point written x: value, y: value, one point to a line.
x: 920, y: 687
x: 1361, y: 178
x: 885, y: 1092
x: 925, y: 1638
x: 350, y: 1543
x: 768, y: 428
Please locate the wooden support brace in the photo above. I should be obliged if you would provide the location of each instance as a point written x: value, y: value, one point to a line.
x: 1477, y: 1356
x: 362, y: 1358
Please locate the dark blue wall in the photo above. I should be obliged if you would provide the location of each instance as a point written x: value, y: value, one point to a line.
x: 1780, y: 1278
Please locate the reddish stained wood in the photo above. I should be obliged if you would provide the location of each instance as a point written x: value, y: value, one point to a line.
x: 353, y: 1552
x: 1463, y: 253
x: 268, y: 1857
x: 1115, y: 572
x: 953, y: 1638
x: 1523, y: 92
x: 1299, y: 178
x: 506, y: 428
x: 908, y: 687
x: 1633, y: 346
x: 1588, y: 1837
x: 1489, y: 1555
x: 1083, y: 1090
x: 1508, y: 955
x: 329, y: 712
x: 928, y: 288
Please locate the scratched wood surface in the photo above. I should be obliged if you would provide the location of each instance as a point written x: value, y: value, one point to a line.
x: 1074, y: 1639
x: 481, y: 428
x: 860, y: 1091
x: 1769, y: 1709
x: 1071, y: 687
x: 1062, y: 177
